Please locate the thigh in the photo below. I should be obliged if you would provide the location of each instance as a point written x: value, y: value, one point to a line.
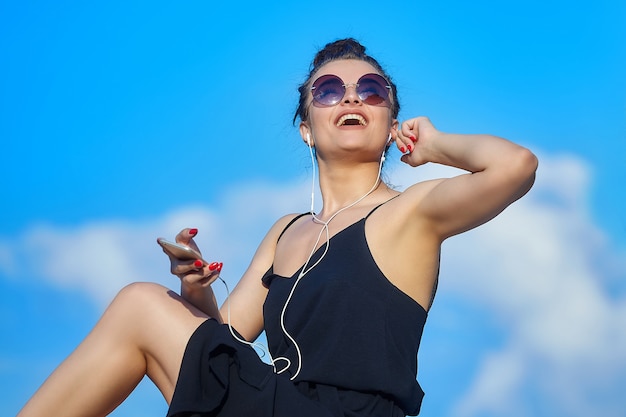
x: 162, y: 323
x: 144, y: 331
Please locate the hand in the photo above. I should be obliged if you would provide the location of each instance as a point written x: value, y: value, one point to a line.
x: 193, y: 274
x: 414, y: 139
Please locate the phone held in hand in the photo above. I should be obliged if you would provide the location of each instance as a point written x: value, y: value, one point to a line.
x: 179, y: 251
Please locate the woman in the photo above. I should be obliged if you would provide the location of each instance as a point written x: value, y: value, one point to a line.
x: 342, y: 294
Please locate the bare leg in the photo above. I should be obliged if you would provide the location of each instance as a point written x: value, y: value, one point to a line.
x: 144, y: 331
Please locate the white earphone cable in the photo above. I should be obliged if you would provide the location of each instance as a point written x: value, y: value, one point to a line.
x: 305, y: 270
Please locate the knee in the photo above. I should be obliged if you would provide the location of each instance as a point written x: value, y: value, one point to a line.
x: 139, y: 295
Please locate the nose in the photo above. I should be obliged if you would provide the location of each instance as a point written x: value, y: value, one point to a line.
x: 351, y: 96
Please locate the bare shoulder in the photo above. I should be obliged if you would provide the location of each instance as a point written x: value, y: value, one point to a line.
x: 280, y: 225
x: 267, y: 247
x: 264, y: 255
x: 405, y: 207
x: 414, y: 194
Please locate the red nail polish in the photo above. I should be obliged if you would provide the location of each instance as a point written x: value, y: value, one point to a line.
x: 213, y: 266
x: 198, y: 263
x: 413, y: 138
x: 402, y: 149
x: 410, y: 148
x: 219, y: 267
x: 193, y: 232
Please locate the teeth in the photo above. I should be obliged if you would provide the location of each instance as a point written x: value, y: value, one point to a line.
x: 346, y: 117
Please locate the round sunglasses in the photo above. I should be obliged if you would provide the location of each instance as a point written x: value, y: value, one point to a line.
x: 372, y: 89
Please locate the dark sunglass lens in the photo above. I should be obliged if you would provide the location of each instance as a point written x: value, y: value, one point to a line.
x: 327, y: 90
x: 373, y: 89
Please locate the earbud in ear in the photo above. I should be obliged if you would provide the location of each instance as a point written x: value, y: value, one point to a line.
x: 308, y: 139
x: 382, y: 158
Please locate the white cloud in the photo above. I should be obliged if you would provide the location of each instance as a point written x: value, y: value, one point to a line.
x: 7, y: 258
x: 102, y: 257
x: 536, y: 268
x: 500, y: 382
x: 540, y: 267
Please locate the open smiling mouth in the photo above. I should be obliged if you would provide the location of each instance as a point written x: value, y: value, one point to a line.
x: 351, y: 120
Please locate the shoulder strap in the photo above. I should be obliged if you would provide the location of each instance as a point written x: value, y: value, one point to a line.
x: 378, y: 206
x: 292, y: 221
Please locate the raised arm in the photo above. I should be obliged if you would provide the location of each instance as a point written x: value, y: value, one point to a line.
x: 500, y: 172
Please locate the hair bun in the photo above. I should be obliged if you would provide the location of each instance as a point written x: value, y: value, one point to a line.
x: 335, y: 50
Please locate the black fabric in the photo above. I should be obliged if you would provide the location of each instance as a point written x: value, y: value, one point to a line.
x: 222, y: 377
x: 358, y: 334
x: 354, y: 328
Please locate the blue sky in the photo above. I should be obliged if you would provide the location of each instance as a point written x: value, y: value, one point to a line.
x: 123, y: 122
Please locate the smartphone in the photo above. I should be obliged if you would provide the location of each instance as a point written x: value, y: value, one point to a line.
x: 179, y: 251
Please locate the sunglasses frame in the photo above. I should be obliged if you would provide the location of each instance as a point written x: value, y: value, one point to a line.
x: 386, y: 101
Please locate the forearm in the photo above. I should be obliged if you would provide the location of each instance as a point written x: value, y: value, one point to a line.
x: 204, y: 299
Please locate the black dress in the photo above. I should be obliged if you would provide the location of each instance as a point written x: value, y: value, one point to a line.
x: 358, y: 337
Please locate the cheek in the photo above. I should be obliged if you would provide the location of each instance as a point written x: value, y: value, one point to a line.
x: 385, y: 118
x: 319, y: 117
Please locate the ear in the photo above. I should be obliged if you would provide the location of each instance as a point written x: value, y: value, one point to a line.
x: 394, y: 124
x: 305, y: 133
x: 393, y: 129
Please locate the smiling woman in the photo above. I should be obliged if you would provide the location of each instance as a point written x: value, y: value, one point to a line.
x: 343, y: 294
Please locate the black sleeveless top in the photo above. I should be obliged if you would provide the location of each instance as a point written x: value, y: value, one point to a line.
x: 354, y: 328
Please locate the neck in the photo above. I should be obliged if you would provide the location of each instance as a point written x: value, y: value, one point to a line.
x: 343, y: 185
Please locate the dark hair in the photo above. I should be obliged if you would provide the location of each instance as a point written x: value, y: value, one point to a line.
x: 341, y: 49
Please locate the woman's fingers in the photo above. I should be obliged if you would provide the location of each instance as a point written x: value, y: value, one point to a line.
x: 186, y: 235
x: 200, y: 278
x: 196, y: 271
x: 405, y: 141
